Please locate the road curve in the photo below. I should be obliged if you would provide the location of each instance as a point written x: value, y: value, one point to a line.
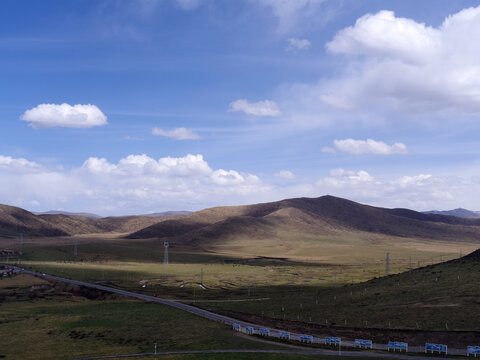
x: 230, y: 321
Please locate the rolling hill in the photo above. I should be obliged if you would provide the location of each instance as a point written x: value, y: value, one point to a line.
x: 311, y: 216
x: 14, y: 220
x: 286, y: 219
x: 61, y: 212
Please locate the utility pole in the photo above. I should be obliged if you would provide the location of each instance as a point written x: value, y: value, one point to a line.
x: 165, y: 254
x: 410, y: 267
x: 387, y: 264
x: 21, y: 240
x: 201, y: 277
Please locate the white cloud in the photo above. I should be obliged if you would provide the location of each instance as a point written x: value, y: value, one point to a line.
x: 297, y: 44
x: 408, y: 65
x: 369, y: 146
x: 139, y: 183
x: 18, y: 165
x: 261, y: 108
x: 64, y: 115
x: 180, y: 133
x: 223, y: 177
x: 285, y: 174
x: 342, y: 177
x: 132, y: 185
x: 143, y: 165
x: 417, y: 180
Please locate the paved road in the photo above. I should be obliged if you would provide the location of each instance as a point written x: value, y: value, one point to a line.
x: 230, y: 321
x: 286, y: 352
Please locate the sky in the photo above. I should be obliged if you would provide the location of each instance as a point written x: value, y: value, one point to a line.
x: 136, y: 106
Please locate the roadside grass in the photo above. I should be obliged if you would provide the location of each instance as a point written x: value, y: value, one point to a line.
x: 309, y: 280
x: 442, y: 297
x: 57, y: 325
x: 240, y: 356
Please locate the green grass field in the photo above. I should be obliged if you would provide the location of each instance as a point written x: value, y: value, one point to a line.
x: 318, y: 285
x: 54, y: 323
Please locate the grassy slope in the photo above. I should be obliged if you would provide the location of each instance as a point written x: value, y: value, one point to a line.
x: 437, y: 298
x: 60, y: 323
x: 15, y: 220
x: 326, y: 215
x: 51, y: 323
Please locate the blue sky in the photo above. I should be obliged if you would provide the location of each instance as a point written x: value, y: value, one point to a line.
x: 136, y: 106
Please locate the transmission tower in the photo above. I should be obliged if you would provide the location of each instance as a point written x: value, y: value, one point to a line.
x: 165, y: 255
x: 387, y: 264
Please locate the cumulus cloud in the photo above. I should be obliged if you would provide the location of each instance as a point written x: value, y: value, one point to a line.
x: 408, y: 65
x: 261, y: 108
x: 369, y: 146
x: 180, y: 133
x: 64, y: 115
x: 140, y: 183
x: 143, y: 165
x: 285, y: 174
x: 133, y: 184
x: 342, y: 177
x: 18, y: 165
x: 297, y: 44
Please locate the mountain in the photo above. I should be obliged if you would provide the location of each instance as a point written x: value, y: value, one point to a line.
x: 456, y: 212
x: 14, y: 220
x: 309, y: 216
x: 61, y: 212
x: 283, y: 220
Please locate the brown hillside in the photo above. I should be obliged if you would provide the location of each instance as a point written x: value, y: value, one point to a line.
x: 125, y: 224
x: 14, y: 220
x: 72, y: 224
x: 321, y: 215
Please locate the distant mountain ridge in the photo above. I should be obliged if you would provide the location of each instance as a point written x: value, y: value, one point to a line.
x: 168, y: 214
x: 460, y: 212
x: 14, y: 220
x: 61, y: 212
x: 95, y: 216
x: 310, y: 216
x: 281, y: 220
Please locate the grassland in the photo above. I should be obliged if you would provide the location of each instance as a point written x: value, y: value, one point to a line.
x: 312, y: 284
x: 40, y: 320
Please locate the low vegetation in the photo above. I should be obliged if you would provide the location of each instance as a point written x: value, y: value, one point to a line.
x: 43, y: 320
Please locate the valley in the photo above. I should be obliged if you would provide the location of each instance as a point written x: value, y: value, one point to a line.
x: 296, y: 264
